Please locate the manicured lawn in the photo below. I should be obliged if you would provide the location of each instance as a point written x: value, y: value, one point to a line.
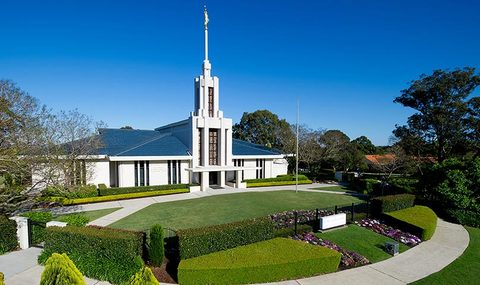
x: 361, y: 241
x: 337, y: 188
x: 222, y: 209
x: 91, y: 215
x: 463, y: 271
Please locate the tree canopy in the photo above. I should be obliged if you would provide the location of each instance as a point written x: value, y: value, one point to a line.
x: 442, y: 104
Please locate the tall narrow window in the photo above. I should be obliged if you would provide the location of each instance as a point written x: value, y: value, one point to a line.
x: 179, y: 171
x: 142, y: 173
x: 174, y: 172
x: 210, y: 101
x: 147, y: 167
x: 200, y: 150
x: 260, y: 172
x: 169, y: 172
x: 213, y: 147
x: 136, y: 173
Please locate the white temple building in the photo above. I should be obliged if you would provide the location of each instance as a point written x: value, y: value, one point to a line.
x: 199, y: 150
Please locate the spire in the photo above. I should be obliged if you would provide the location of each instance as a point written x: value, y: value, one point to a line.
x: 206, y: 63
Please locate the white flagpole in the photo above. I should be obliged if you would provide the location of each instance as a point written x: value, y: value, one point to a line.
x: 296, y: 156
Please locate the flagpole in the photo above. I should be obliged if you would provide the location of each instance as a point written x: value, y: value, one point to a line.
x: 296, y: 156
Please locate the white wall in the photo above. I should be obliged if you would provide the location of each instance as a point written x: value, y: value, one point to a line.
x: 158, y: 173
x: 250, y: 174
x: 279, y: 167
x: 126, y: 174
x: 99, y: 172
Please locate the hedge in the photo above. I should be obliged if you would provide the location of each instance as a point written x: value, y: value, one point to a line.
x: 38, y: 231
x: 75, y: 192
x: 287, y: 232
x: 277, y: 183
x: 418, y: 220
x: 65, y: 201
x: 267, y: 261
x: 8, y: 235
x: 101, y: 253
x: 201, y: 241
x: 391, y: 203
x: 366, y: 185
x: 278, y: 178
x: 126, y: 190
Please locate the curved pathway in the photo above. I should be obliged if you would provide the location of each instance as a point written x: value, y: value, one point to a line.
x: 446, y: 245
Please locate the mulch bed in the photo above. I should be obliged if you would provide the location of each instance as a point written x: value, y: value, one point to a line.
x: 164, y: 273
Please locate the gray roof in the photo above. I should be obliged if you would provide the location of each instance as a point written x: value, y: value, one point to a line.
x: 127, y: 142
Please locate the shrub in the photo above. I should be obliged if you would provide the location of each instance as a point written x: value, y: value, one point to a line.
x: 391, y: 203
x: 100, y: 253
x: 143, y: 277
x: 127, y: 190
x: 2, y: 279
x: 60, y: 270
x: 8, y: 235
x: 418, y: 220
x: 406, y: 185
x: 38, y: 231
x: 288, y: 232
x: 366, y: 185
x: 71, y: 193
x: 75, y: 220
x: 465, y: 217
x: 201, y: 241
x: 102, y: 186
x: 276, y: 183
x: 156, y: 250
x: 65, y: 201
x: 266, y: 261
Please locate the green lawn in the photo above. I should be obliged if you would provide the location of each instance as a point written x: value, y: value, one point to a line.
x: 337, y: 188
x: 361, y: 241
x: 221, y: 209
x: 463, y: 271
x: 91, y: 215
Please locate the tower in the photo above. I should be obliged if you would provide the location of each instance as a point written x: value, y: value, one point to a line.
x: 211, y: 132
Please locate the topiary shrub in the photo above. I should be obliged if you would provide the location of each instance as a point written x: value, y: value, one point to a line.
x: 8, y: 235
x: 201, y: 241
x: 60, y: 270
x: 156, y: 250
x: 391, y: 203
x: 2, y: 279
x: 143, y: 277
x: 102, y: 186
x: 419, y: 220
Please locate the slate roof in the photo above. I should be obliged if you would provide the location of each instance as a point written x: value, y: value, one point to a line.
x: 125, y: 142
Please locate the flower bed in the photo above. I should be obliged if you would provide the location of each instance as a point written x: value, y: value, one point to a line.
x: 383, y: 229
x: 349, y: 258
x: 287, y: 219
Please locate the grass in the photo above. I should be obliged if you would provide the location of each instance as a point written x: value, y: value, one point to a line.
x: 464, y: 270
x: 221, y: 209
x: 419, y: 220
x: 91, y: 215
x: 337, y: 188
x: 272, y: 260
x: 361, y: 241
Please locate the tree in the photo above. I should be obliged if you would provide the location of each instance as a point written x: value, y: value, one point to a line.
x: 332, y: 144
x: 441, y: 103
x: 127, y: 127
x: 60, y: 270
x: 365, y: 145
x: 263, y: 127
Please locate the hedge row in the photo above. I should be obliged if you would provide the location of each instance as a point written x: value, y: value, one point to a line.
x: 100, y: 253
x: 65, y: 201
x: 266, y: 261
x: 278, y: 178
x: 201, y: 241
x: 277, y: 183
x: 418, y: 220
x: 126, y: 190
x: 392, y: 203
x: 8, y: 234
x: 288, y: 232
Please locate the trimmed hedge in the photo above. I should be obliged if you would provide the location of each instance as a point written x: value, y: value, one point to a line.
x: 100, y: 253
x: 418, y: 220
x: 74, y: 192
x: 366, y: 185
x: 65, y: 201
x: 126, y: 190
x: 277, y: 183
x: 288, y: 232
x: 156, y: 250
x: 8, y: 235
x: 278, y: 178
x: 38, y: 231
x: 59, y: 270
x: 391, y: 203
x: 201, y: 241
x: 266, y: 261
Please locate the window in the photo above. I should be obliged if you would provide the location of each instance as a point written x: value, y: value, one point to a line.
x: 142, y: 173
x: 213, y: 147
x: 261, y: 171
x: 200, y: 150
x: 240, y: 162
x: 210, y: 101
x: 174, y: 171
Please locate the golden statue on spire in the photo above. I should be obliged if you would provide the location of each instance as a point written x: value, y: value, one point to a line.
x: 205, y: 12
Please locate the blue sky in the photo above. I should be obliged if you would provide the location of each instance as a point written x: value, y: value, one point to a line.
x: 133, y: 62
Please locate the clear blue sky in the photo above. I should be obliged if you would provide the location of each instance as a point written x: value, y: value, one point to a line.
x: 133, y: 62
